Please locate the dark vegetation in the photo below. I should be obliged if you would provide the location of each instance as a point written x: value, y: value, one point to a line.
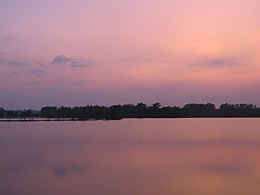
x: 17, y: 113
x: 139, y: 111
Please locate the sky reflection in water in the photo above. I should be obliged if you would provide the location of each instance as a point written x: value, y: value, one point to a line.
x: 137, y: 156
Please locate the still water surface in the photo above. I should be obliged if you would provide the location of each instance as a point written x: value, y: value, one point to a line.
x: 131, y: 156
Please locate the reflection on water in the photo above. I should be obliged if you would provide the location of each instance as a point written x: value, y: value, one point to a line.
x: 136, y: 156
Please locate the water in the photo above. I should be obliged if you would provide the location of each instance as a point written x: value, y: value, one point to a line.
x: 131, y: 156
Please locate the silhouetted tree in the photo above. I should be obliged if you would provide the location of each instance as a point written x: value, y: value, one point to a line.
x: 2, y: 112
x: 128, y: 111
x: 26, y: 113
x: 141, y: 110
x: 115, y: 112
x: 49, y: 112
x: 199, y: 110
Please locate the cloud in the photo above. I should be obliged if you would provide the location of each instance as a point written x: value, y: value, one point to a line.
x: 4, y: 60
x: 61, y: 59
x: 15, y: 73
x: 216, y: 62
x: 77, y: 64
x: 80, y: 66
x: 11, y: 63
x: 62, y: 171
x: 39, y: 63
x: 33, y: 83
x: 223, y: 168
x: 38, y: 73
x: 15, y: 63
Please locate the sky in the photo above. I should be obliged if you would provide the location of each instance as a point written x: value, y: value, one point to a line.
x: 105, y: 52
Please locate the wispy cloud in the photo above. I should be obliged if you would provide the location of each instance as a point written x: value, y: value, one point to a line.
x: 11, y: 63
x: 37, y: 73
x: 80, y: 66
x: 15, y: 63
x: 62, y: 171
x: 74, y: 62
x: 15, y: 73
x: 39, y: 63
x: 60, y: 59
x: 216, y: 62
x: 77, y: 64
x: 33, y: 83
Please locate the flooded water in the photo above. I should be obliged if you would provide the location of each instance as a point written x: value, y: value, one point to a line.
x: 131, y: 156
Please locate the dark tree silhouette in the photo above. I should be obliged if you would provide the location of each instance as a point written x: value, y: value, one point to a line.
x: 49, y: 112
x: 2, y: 112
x: 140, y: 110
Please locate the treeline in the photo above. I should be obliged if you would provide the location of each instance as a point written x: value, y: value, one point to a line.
x: 142, y: 110
x: 139, y: 110
x: 17, y: 113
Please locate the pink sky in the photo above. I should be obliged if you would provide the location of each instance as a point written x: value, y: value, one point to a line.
x: 108, y: 52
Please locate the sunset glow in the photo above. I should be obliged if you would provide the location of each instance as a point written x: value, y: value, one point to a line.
x: 114, y: 52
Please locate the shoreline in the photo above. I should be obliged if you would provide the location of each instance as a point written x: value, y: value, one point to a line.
x: 103, y: 119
